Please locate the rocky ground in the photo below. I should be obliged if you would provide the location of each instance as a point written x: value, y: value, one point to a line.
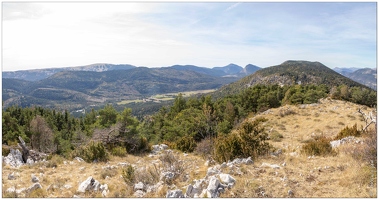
x: 169, y: 173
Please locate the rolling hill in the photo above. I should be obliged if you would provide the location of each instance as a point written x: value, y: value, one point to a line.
x: 290, y: 73
x: 230, y: 70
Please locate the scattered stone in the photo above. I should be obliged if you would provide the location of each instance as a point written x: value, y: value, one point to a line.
x: 223, y: 165
x: 33, y: 187
x: 104, y: 189
x: 11, y: 176
x: 139, y: 193
x: 123, y: 164
x: 89, y: 185
x: 284, y: 164
x: 212, y: 171
x: 67, y: 186
x: 227, y: 179
x: 191, y: 191
x: 214, y: 187
x: 174, y: 194
x: 274, y: 166
x: 163, y: 146
x: 167, y: 176
x: 290, y: 193
x: 293, y: 154
x: 11, y: 190
x: 29, y: 161
x: 248, y: 161
x: 109, y: 167
x: 139, y: 186
x: 34, y: 179
x: 277, y: 153
x: 81, y: 168
x: 79, y: 159
x: 350, y: 139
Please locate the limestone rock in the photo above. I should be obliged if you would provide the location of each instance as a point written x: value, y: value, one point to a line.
x: 212, y: 171
x: 274, y: 166
x: 34, y: 179
x: 214, y: 187
x: 79, y: 159
x: 139, y: 193
x: 11, y: 176
x: 14, y: 158
x: 174, y: 194
x: 227, y: 179
x: 139, y: 186
x: 34, y: 187
x: 89, y: 185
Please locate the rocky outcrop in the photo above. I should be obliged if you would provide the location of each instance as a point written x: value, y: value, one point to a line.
x: 14, y: 158
x: 93, y: 185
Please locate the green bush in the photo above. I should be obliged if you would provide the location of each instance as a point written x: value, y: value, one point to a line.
x: 186, y: 144
x: 119, y: 151
x: 248, y: 140
x: 320, y: 146
x: 94, y: 151
x: 128, y: 174
x: 353, y: 131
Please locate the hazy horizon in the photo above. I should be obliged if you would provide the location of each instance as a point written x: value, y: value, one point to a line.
x: 68, y: 34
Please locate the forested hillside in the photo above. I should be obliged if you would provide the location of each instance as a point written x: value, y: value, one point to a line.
x: 291, y: 73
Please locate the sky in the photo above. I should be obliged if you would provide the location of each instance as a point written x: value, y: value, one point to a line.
x: 213, y: 34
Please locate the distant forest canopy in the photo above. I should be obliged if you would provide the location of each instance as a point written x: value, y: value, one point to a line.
x: 182, y: 125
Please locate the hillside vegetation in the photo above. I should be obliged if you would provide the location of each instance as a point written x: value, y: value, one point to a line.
x: 295, y: 174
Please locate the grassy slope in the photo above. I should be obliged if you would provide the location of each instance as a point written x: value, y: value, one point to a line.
x: 338, y: 176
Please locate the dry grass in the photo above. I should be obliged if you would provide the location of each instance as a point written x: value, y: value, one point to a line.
x: 329, y: 176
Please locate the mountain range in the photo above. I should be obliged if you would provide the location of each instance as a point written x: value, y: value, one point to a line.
x: 230, y: 70
x: 78, y: 87
x: 366, y: 76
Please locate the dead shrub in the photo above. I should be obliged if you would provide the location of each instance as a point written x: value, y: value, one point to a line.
x: 147, y: 175
x: 54, y: 161
x: 319, y: 147
x: 276, y: 136
x: 286, y: 111
x: 172, y: 163
x: 108, y: 172
x: 353, y: 131
x: 368, y: 151
x: 204, y: 148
